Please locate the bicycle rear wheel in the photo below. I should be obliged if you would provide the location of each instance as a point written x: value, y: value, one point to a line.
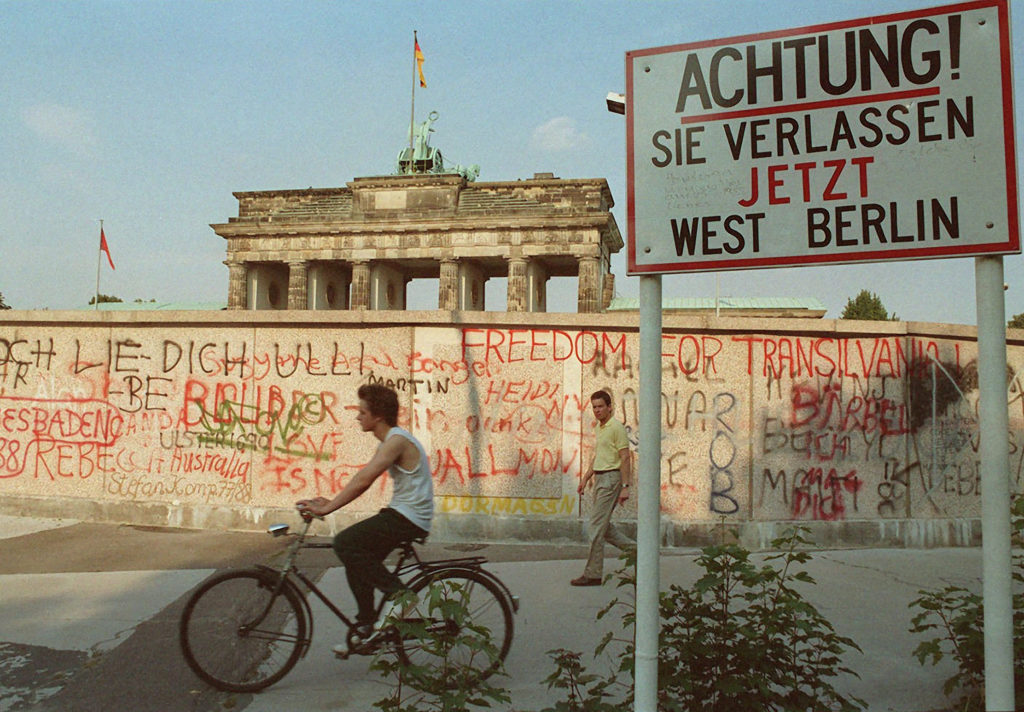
x: 461, y: 628
x: 239, y: 635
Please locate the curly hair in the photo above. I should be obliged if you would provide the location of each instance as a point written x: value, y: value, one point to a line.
x: 381, y: 401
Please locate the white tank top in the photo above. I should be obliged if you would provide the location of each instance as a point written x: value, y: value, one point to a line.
x: 413, y: 494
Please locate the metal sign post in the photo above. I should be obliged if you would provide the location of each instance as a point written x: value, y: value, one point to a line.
x: 648, y: 530
x: 870, y: 140
x: 993, y: 423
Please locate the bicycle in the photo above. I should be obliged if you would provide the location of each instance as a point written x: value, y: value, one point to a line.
x: 244, y: 630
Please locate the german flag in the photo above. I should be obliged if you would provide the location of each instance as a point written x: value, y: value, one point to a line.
x: 419, y: 61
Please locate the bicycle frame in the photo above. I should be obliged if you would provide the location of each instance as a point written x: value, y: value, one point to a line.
x: 408, y: 561
x: 235, y: 648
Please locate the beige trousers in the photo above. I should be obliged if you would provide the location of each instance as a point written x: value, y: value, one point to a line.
x: 600, y: 529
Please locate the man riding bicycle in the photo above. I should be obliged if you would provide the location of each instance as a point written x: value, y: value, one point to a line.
x: 363, y: 546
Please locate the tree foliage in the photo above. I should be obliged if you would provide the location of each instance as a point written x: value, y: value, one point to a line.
x: 866, y: 306
x: 104, y: 299
x: 1017, y: 322
x: 954, y: 618
x: 3, y: 305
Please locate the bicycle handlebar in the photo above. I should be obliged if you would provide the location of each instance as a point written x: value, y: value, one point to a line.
x: 307, y: 516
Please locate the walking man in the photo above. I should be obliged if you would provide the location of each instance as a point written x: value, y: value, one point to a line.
x: 611, y: 471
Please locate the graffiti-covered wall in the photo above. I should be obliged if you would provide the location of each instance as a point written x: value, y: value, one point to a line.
x: 225, y: 419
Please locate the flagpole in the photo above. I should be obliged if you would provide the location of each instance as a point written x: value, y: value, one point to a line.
x: 99, y: 257
x: 412, y: 113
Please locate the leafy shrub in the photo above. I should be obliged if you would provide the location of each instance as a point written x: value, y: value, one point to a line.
x: 955, y: 617
x: 439, y: 677
x: 741, y: 638
x: 585, y: 692
x: 744, y: 637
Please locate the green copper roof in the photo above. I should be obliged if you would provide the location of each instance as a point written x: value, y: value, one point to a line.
x: 723, y: 303
x: 158, y: 306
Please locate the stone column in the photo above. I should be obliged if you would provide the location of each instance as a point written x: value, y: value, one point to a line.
x: 472, y: 283
x: 298, y: 281
x: 536, y: 286
x: 360, y: 298
x: 236, y: 284
x: 589, y: 289
x: 609, y: 291
x: 517, y: 287
x: 448, y: 288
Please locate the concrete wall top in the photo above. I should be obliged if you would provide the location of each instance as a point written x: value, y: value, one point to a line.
x: 617, y: 320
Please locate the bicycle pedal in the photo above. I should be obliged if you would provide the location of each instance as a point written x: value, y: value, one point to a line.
x: 364, y: 649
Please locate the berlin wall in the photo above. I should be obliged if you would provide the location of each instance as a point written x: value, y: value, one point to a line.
x: 866, y: 430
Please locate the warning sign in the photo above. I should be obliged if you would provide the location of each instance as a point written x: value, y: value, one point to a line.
x: 885, y: 138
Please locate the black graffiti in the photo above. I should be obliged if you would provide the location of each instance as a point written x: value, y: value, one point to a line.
x: 722, y: 454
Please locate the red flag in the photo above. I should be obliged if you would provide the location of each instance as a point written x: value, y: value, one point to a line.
x: 419, y: 62
x: 104, y: 248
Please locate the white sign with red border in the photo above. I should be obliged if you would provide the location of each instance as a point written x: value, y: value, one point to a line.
x: 885, y: 138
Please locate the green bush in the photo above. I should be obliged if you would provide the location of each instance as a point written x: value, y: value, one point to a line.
x: 440, y: 677
x: 741, y: 638
x: 954, y: 617
x: 584, y: 692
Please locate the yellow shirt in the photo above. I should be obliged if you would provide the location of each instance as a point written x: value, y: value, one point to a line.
x: 610, y: 439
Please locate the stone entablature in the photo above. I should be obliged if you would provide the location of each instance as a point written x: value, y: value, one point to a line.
x: 357, y: 246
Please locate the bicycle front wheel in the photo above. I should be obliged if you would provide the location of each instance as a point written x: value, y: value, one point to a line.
x: 239, y: 633
x: 461, y: 629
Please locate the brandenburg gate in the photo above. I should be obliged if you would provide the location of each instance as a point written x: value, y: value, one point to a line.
x: 359, y: 246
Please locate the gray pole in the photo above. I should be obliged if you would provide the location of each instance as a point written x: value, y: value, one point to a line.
x: 648, y: 534
x: 412, y: 112
x: 99, y: 261
x: 993, y: 424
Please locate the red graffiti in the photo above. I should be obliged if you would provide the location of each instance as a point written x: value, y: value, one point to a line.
x: 854, y: 358
x: 692, y: 355
x: 462, y: 465
x: 545, y: 345
x: 857, y: 414
x: 820, y: 495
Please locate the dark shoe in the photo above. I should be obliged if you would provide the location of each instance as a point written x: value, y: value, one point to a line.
x: 586, y: 581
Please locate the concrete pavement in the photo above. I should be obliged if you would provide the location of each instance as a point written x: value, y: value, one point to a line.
x: 88, y: 617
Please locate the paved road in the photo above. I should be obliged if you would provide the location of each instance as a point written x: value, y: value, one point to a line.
x: 88, y: 616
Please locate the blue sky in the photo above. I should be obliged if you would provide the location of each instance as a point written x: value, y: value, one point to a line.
x: 150, y: 114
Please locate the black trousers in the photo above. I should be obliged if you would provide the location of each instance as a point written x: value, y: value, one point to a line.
x: 363, y: 547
